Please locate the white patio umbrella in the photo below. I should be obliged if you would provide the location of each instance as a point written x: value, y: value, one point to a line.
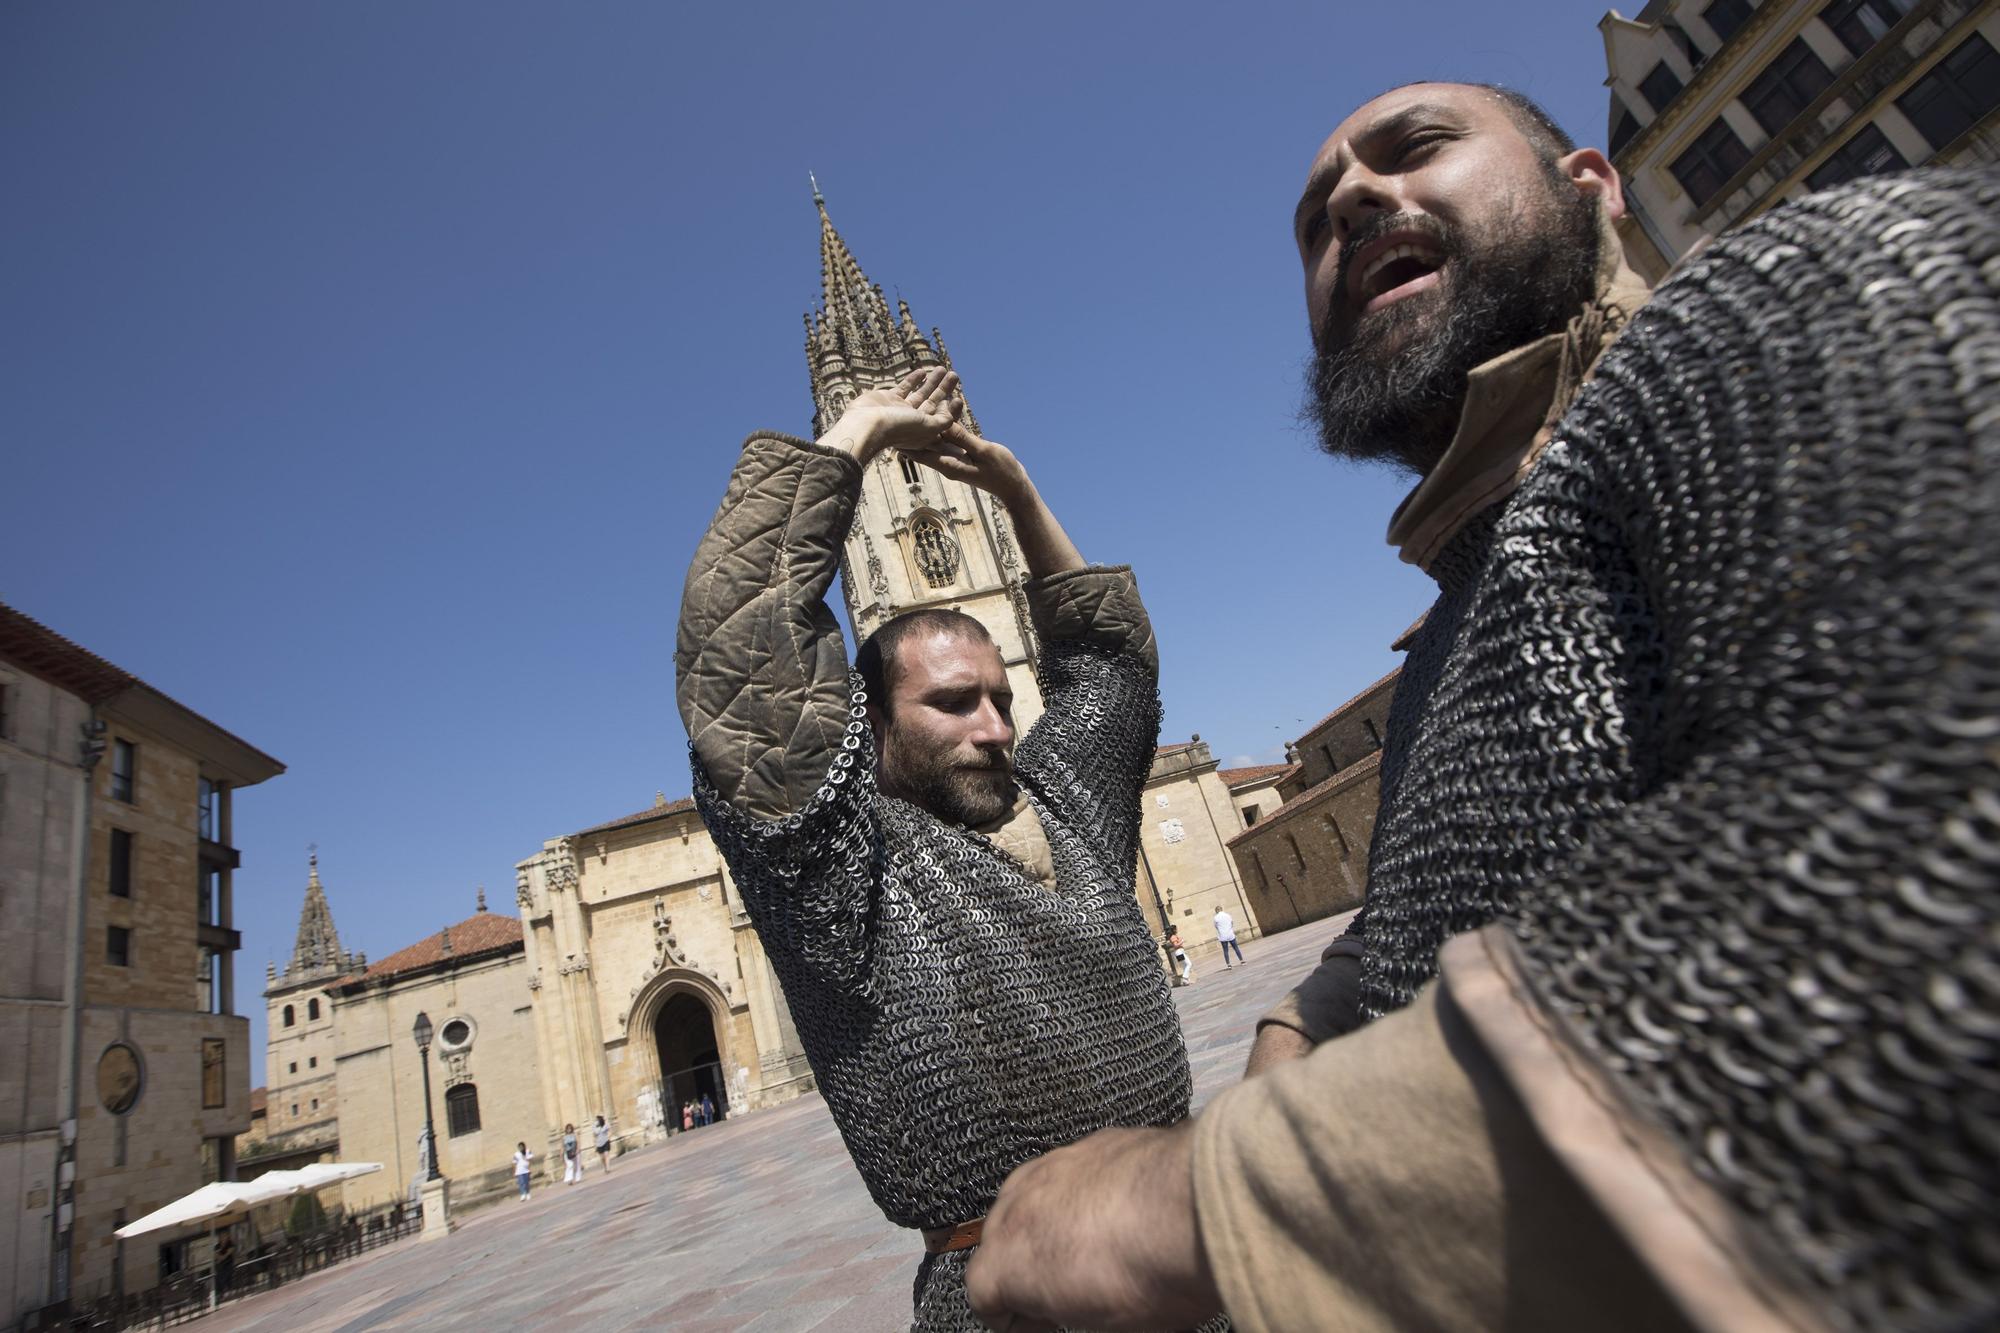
x: 224, y: 1201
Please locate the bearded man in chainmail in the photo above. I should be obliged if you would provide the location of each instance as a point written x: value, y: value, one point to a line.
x: 952, y: 918
x: 1675, y: 1001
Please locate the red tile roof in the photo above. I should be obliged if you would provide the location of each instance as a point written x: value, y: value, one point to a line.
x: 1364, y: 767
x: 1244, y: 777
x: 654, y: 811
x: 477, y: 936
x: 1402, y: 640
x: 258, y: 1099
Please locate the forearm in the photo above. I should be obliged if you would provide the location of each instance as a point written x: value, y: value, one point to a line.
x: 762, y: 668
x: 1045, y: 547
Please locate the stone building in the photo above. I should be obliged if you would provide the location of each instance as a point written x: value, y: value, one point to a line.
x: 1187, y: 815
x: 1722, y: 108
x: 472, y: 981
x: 302, y: 1100
x: 650, y: 985
x: 125, y: 1074
x: 1307, y: 858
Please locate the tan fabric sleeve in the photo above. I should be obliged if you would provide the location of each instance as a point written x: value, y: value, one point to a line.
x: 1389, y: 1181
x: 1098, y: 605
x: 1327, y: 1004
x: 762, y: 669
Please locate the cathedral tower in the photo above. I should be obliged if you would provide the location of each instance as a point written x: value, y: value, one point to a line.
x: 299, y: 1037
x: 919, y: 540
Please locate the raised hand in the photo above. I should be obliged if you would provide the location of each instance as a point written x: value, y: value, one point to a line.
x: 921, y: 406
x: 957, y: 453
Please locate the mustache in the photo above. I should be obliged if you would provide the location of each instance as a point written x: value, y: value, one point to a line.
x: 1374, y: 229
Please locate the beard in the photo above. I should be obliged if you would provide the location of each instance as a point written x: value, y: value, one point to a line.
x: 1389, y: 387
x: 952, y: 789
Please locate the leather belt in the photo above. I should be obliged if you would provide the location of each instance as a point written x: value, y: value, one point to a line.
x: 943, y: 1240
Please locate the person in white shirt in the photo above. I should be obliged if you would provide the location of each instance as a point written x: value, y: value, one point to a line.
x: 572, y: 1157
x: 603, y: 1135
x: 1225, y: 935
x: 524, y: 1165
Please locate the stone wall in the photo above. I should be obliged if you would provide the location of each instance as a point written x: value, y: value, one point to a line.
x: 381, y: 1083
x: 1186, y: 817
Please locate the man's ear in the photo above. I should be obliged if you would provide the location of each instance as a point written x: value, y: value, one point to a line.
x: 878, y: 723
x: 1592, y: 173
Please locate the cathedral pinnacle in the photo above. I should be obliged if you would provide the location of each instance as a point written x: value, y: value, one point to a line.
x: 316, y: 952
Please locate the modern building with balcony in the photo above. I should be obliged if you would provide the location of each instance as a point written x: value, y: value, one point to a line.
x: 124, y: 1068
x: 1722, y: 108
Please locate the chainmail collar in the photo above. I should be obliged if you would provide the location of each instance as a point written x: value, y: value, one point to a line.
x: 1020, y: 834
x: 1512, y: 403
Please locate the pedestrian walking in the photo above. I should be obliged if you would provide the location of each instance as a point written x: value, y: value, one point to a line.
x: 524, y: 1163
x: 707, y: 1110
x: 687, y: 1115
x: 1181, y: 958
x: 572, y: 1158
x: 602, y: 1133
x: 1225, y: 935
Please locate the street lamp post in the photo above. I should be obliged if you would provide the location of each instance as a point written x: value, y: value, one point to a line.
x: 436, y: 1189
x: 422, y: 1033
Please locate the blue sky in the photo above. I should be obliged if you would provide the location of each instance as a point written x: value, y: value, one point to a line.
x: 368, y: 372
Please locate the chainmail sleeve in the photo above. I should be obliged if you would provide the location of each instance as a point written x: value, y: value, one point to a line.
x: 1089, y: 753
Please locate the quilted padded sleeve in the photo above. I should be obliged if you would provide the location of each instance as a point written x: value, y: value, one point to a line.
x: 762, y: 669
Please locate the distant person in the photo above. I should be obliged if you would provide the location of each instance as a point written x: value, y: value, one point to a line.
x: 687, y: 1116
x: 572, y: 1158
x: 1225, y: 935
x: 1181, y: 957
x: 225, y: 1260
x: 524, y: 1166
x: 707, y: 1110
x: 602, y: 1132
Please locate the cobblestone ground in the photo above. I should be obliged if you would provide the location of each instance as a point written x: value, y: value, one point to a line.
x: 759, y: 1223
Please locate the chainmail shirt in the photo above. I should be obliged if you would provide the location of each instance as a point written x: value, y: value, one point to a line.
x: 1709, y: 709
x: 962, y: 1018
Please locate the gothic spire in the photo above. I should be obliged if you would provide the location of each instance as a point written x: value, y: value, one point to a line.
x: 317, y: 949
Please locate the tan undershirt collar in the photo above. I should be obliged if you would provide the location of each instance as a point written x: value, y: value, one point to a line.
x: 1020, y: 834
x: 1512, y: 404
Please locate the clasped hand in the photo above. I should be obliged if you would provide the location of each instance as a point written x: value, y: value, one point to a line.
x: 922, y: 419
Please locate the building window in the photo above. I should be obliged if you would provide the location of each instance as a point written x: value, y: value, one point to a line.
x: 208, y: 979
x: 1861, y: 23
x: 1956, y: 94
x: 295, y: 1109
x: 315, y: 1104
x: 1341, y: 838
x: 118, y: 946
x: 1868, y: 153
x: 1249, y: 815
x: 214, y: 1073
x: 1724, y: 17
x: 290, y: 1017
x: 911, y: 469
x: 1297, y: 854
x: 461, y: 1110
x: 1263, y: 880
x: 208, y: 897
x: 294, y: 1068
x: 937, y: 553
x: 1623, y: 128
x: 124, y: 769
x: 121, y: 863
x: 209, y: 814
x: 1786, y: 87
x: 312, y: 1010
x: 1660, y: 87
x: 312, y: 1062
x: 1374, y: 734
x: 1709, y: 163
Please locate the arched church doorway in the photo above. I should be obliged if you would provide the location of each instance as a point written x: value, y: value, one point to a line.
x: 690, y: 1058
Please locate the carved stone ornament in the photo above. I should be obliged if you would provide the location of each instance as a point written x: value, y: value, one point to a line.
x: 878, y: 578
x: 937, y: 554
x: 559, y: 866
x: 666, y: 948
x: 579, y: 962
x: 456, y: 1069
x: 1172, y: 830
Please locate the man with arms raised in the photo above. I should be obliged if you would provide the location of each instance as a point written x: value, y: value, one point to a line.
x: 952, y: 918
x: 1676, y: 998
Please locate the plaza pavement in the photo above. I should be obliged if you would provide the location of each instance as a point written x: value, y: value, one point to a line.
x: 757, y: 1224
